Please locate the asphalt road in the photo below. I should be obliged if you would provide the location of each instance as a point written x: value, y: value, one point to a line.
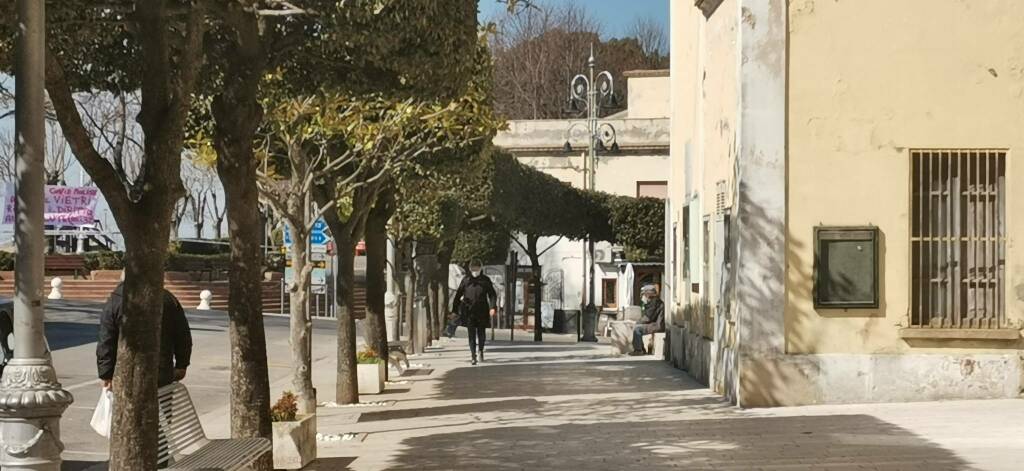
x: 71, y: 330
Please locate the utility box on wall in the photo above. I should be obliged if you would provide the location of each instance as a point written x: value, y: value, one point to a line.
x: 846, y: 266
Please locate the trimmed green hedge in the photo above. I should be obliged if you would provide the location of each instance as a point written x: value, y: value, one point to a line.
x: 104, y: 260
x: 488, y: 243
x: 533, y: 202
x: 175, y: 261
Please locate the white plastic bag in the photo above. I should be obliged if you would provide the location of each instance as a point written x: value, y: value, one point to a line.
x: 103, y: 416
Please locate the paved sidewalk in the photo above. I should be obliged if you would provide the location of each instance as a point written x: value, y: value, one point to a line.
x: 569, y: 406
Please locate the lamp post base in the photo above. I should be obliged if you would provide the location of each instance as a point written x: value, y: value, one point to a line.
x: 31, y: 404
x: 589, y: 324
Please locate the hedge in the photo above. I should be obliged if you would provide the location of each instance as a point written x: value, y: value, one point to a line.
x: 533, y: 202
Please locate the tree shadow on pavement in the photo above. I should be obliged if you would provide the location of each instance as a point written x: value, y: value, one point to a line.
x: 521, y: 348
x: 521, y: 405
x: 805, y: 442
x: 72, y: 465
x: 61, y: 335
x: 558, y: 379
x: 329, y: 464
x: 535, y: 359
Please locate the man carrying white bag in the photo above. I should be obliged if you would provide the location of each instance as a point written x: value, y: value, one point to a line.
x: 175, y: 352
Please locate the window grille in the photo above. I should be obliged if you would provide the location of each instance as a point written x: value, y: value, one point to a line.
x: 958, y: 238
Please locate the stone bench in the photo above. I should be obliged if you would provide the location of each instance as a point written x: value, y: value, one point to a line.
x: 621, y: 333
x: 656, y: 344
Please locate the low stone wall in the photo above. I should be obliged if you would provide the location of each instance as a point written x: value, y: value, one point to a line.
x: 862, y: 378
x: 690, y: 353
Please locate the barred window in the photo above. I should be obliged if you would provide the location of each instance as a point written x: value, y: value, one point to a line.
x: 958, y: 238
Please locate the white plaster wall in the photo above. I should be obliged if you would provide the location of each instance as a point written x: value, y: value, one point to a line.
x: 648, y: 97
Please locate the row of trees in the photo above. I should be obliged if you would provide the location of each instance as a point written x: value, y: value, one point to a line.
x: 376, y: 115
x: 201, y: 68
x: 475, y: 210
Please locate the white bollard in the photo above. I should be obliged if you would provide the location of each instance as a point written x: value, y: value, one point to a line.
x: 204, y: 300
x: 55, y: 288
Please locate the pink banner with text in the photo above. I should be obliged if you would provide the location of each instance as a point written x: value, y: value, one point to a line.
x: 65, y: 205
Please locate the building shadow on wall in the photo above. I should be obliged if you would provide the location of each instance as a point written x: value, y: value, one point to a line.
x: 808, y: 442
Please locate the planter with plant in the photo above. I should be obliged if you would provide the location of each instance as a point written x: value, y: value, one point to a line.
x: 294, y: 435
x: 370, y: 370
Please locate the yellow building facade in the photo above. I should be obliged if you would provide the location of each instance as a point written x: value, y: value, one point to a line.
x: 842, y: 199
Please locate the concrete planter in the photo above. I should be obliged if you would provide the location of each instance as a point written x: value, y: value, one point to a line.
x: 371, y: 377
x: 295, y: 443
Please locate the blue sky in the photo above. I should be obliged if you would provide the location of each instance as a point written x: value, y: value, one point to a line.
x: 617, y: 15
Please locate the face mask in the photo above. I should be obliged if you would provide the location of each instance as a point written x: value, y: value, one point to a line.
x: 475, y: 273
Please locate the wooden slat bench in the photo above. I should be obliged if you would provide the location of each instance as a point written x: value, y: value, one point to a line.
x: 64, y: 265
x: 183, y: 445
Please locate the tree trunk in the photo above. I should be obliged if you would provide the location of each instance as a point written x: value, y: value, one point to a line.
x: 431, y: 314
x: 436, y: 313
x: 346, y: 385
x: 535, y: 280
x: 199, y: 230
x: 133, y: 443
x: 375, y: 327
x: 298, y: 300
x: 237, y: 115
x: 411, y: 313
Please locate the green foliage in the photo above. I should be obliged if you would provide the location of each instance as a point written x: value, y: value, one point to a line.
x: 488, y: 243
x: 367, y: 356
x: 188, y: 262
x: 638, y: 225
x: 526, y: 200
x: 6, y: 261
x: 285, y: 409
x: 105, y: 260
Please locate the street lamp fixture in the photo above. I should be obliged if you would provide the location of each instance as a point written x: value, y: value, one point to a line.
x: 592, y: 92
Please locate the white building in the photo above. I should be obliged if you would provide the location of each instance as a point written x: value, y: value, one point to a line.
x: 639, y: 167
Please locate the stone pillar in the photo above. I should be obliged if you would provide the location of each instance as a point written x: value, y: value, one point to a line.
x: 31, y: 399
x: 760, y: 204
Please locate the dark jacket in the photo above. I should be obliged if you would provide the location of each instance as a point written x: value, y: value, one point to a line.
x: 175, y: 337
x: 474, y: 300
x: 653, y: 318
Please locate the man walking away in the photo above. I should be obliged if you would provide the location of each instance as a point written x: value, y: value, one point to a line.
x: 175, y: 339
x: 475, y: 302
x: 653, y: 319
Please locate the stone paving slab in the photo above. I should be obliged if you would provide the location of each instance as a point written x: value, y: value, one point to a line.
x: 570, y: 406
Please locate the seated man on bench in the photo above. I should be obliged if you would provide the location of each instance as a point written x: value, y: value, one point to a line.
x: 652, y: 320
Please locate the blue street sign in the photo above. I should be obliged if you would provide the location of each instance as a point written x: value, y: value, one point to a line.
x: 318, y: 236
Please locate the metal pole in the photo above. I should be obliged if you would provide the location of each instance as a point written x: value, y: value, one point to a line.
x: 31, y: 399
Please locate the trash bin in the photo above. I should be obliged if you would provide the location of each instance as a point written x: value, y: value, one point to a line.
x: 571, y: 317
x: 589, y: 324
x: 558, y: 326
